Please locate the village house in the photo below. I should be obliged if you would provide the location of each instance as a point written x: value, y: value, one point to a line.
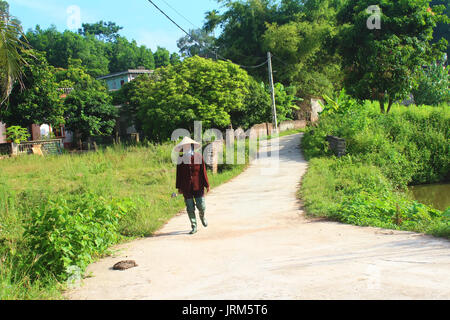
x: 115, y: 81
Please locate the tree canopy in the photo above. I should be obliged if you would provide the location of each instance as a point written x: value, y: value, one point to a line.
x: 196, y: 89
x: 40, y: 101
x: 381, y: 64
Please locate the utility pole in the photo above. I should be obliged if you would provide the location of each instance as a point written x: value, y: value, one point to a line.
x: 272, y: 89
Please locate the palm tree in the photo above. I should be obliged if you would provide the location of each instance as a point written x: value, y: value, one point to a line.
x: 11, y: 60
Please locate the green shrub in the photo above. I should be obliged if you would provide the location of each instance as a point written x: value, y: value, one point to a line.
x: 70, y: 232
x: 386, y: 153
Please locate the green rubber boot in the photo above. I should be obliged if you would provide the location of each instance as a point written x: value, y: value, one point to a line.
x: 203, y: 219
x: 191, y: 214
x: 201, y: 205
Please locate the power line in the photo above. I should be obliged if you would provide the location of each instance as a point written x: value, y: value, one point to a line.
x: 190, y: 36
x: 180, y: 14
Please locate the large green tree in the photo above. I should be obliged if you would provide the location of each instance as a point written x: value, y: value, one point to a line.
x: 197, y: 89
x: 88, y: 108
x: 39, y: 101
x: 380, y: 64
x: 60, y: 47
x: 104, y: 31
x: 302, y: 49
x: 162, y: 57
x: 199, y: 42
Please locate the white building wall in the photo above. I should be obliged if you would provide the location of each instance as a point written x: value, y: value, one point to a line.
x: 2, y: 133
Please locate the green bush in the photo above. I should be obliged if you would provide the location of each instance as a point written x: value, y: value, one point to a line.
x: 433, y: 85
x: 70, y: 232
x: 386, y: 153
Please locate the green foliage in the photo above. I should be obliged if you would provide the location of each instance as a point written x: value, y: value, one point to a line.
x: 11, y: 51
x: 17, y: 134
x: 385, y: 154
x: 302, y: 48
x: 342, y: 104
x: 257, y: 107
x: 442, y: 30
x: 128, y: 55
x: 99, y: 46
x: 162, y: 57
x: 409, y: 144
x: 285, y: 102
x: 352, y: 192
x: 381, y: 64
x: 104, y: 31
x: 433, y: 85
x: 89, y: 110
x: 198, y: 43
x: 195, y: 90
x: 80, y: 203
x: 40, y: 101
x: 70, y: 232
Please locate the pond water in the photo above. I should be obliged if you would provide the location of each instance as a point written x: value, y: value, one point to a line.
x: 434, y: 195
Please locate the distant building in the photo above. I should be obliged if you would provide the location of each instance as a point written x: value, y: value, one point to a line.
x: 115, y: 81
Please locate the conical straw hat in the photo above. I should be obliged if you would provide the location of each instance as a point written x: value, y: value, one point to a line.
x: 186, y: 141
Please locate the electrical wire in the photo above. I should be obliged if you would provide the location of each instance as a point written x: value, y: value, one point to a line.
x: 192, y: 38
x: 180, y: 14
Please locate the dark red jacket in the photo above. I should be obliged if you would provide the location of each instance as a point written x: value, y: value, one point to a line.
x: 192, y: 177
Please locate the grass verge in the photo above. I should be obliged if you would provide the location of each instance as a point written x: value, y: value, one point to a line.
x: 386, y: 153
x: 64, y: 212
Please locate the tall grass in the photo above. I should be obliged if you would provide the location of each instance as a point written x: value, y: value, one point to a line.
x: 32, y: 188
x: 386, y: 153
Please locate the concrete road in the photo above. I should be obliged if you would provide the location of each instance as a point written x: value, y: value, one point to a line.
x: 259, y: 245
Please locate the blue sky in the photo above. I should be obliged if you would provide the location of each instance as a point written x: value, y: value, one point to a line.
x: 141, y: 21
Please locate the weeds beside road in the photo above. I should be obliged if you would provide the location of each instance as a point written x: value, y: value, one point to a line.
x: 386, y: 153
x: 63, y: 212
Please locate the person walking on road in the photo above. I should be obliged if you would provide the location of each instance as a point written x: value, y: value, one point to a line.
x: 192, y: 180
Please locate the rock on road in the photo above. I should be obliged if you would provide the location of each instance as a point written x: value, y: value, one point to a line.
x: 260, y: 245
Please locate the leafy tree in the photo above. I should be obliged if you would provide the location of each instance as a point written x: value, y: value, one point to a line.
x: 381, y: 64
x: 40, y: 101
x: 104, y: 31
x: 175, y: 58
x: 257, y: 107
x: 11, y: 52
x: 302, y: 49
x: 285, y: 102
x: 98, y: 56
x: 433, y: 85
x: 131, y: 96
x: 60, y: 47
x: 243, y: 25
x: 197, y: 89
x: 199, y: 43
x: 89, y: 111
x: 162, y: 57
x: 442, y: 29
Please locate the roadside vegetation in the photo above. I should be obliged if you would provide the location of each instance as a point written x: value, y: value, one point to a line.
x: 59, y: 214
x: 385, y: 154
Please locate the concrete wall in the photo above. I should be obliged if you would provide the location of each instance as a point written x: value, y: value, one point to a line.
x: 292, y: 125
x: 114, y: 83
x: 316, y: 108
x: 2, y: 133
